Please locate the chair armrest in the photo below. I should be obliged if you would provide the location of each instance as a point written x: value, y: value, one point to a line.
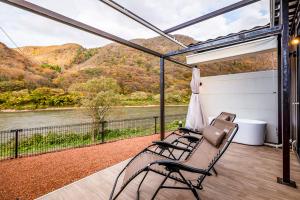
x: 186, y: 130
x: 190, y: 138
x: 163, y: 144
x: 175, y: 166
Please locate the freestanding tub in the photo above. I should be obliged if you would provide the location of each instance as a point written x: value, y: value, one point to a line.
x: 251, y: 132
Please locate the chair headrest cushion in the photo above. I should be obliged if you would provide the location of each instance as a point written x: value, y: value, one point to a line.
x: 213, y: 135
x: 225, y: 117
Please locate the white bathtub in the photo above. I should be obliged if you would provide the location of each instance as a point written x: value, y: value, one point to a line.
x: 251, y: 132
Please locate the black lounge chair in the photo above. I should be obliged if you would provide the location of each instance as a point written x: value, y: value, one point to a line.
x: 191, y: 171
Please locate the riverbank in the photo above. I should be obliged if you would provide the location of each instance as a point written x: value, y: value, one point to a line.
x: 81, y: 108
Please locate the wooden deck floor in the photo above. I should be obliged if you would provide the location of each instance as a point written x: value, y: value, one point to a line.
x: 245, y: 172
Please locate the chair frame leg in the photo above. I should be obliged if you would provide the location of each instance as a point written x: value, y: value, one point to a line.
x: 160, y: 186
x: 214, y: 171
x: 138, y: 189
x: 190, y: 185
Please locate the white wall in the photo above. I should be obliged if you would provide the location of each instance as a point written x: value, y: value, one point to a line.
x: 250, y: 95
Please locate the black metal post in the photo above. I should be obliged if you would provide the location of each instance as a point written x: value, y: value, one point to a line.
x: 16, y: 142
x: 297, y: 31
x: 162, y: 98
x: 102, y: 131
x: 155, y: 124
x: 279, y: 96
x: 286, y: 95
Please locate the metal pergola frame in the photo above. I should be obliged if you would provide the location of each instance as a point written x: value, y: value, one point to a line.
x: 281, y: 29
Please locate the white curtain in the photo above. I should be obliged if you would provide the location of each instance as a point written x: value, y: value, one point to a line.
x: 195, y: 119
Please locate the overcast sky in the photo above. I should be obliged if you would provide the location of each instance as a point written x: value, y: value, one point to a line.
x: 28, y: 29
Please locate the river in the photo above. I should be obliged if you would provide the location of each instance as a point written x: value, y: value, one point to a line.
x: 31, y: 119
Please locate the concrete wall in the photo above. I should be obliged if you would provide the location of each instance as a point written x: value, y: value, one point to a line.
x: 250, y: 95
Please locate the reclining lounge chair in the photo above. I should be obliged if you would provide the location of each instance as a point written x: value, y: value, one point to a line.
x: 184, y: 138
x: 190, y: 172
x: 185, y: 131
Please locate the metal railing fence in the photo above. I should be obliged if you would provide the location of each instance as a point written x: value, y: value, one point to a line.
x: 31, y: 141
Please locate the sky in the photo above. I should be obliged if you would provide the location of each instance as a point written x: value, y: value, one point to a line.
x: 27, y: 29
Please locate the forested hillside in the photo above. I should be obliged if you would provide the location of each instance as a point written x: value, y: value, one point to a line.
x: 38, y: 77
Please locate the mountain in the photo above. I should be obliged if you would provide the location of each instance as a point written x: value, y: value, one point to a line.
x: 116, y: 54
x: 18, y: 71
x: 61, y: 66
x: 134, y: 70
x: 61, y: 55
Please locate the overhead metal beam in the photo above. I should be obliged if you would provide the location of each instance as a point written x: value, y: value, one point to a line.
x: 229, y: 40
x: 272, y: 12
x: 84, y: 27
x: 213, y: 14
x: 292, y: 30
x: 140, y: 20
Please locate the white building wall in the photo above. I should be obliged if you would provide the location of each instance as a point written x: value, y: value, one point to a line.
x: 250, y: 95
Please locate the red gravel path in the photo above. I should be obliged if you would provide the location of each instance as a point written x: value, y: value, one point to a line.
x: 31, y: 177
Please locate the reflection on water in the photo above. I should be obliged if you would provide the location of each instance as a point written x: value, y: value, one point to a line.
x: 60, y: 117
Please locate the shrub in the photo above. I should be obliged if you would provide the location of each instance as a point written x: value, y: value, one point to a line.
x: 173, y: 98
x: 139, y: 95
x: 12, y: 85
x: 56, y: 68
x: 174, y: 125
x: 92, y: 72
x: 83, y: 55
x: 38, y: 98
x: 33, y: 140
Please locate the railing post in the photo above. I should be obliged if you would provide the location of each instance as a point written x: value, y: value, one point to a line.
x: 102, y: 131
x: 180, y: 124
x: 155, y: 124
x: 16, y: 142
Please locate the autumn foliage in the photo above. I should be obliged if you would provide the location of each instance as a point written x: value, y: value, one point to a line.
x: 52, y: 71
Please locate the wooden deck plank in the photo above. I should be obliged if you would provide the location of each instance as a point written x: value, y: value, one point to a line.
x: 245, y: 172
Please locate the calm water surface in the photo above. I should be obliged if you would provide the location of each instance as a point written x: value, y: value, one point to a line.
x: 60, y: 117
